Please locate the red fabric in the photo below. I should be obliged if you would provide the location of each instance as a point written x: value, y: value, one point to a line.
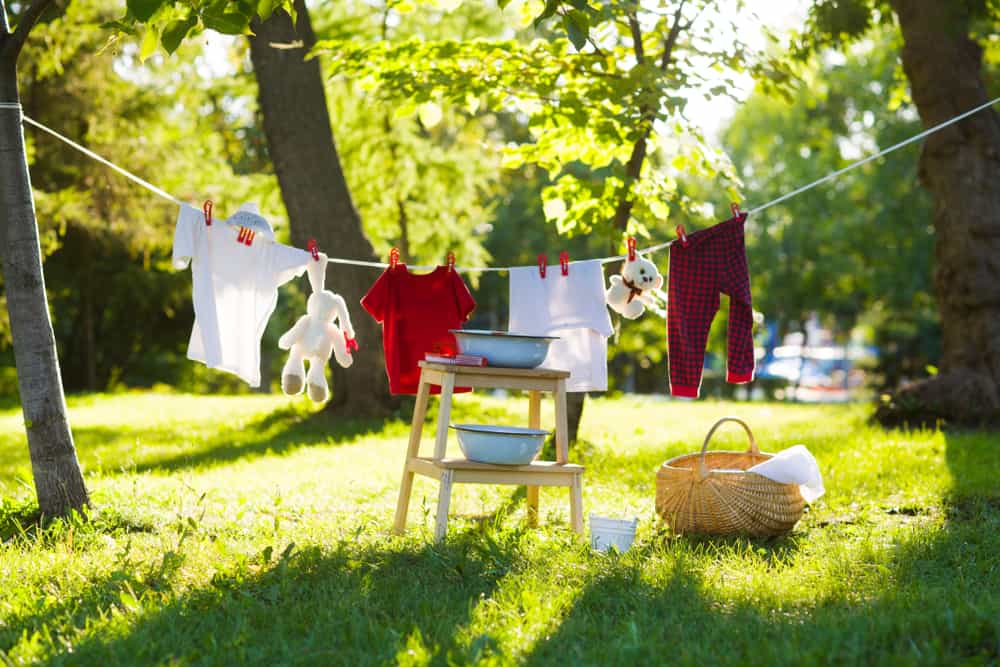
x: 714, y: 261
x: 416, y: 312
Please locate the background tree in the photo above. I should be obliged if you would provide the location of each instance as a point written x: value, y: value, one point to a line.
x: 598, y: 105
x: 59, y: 482
x: 942, y: 56
x: 858, y: 250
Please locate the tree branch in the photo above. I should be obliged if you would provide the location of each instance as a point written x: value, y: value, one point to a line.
x: 633, y: 168
x: 12, y: 47
x: 671, y: 41
x: 633, y: 26
x: 4, y: 23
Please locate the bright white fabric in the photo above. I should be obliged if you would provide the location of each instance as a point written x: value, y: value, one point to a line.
x: 571, y: 307
x: 795, y: 465
x: 235, y: 290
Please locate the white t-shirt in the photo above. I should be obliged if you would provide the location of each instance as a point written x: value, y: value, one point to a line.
x: 572, y: 307
x: 235, y: 290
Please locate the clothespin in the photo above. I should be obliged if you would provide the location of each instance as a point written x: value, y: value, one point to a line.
x: 393, y: 258
x: 246, y: 236
x: 450, y: 262
x: 313, y: 249
x: 735, y: 209
x: 682, y: 235
x: 207, y: 208
x: 631, y: 248
x: 543, y: 262
x: 352, y: 344
x: 564, y: 262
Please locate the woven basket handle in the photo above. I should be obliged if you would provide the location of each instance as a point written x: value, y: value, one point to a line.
x: 704, y: 448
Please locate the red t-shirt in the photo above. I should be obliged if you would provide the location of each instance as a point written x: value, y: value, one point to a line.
x: 416, y: 311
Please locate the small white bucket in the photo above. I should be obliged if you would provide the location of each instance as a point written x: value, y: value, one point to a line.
x: 606, y: 533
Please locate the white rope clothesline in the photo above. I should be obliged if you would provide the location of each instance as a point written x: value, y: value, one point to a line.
x: 483, y: 269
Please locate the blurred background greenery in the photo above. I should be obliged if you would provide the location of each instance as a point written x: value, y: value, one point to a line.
x: 852, y: 257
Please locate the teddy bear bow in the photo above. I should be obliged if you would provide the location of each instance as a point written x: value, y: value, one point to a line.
x: 633, y: 289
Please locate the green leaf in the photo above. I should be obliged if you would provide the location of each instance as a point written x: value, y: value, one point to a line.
x: 175, y: 32
x: 228, y: 23
x: 265, y: 8
x: 429, y: 114
x: 547, y: 12
x: 502, y: 4
x: 150, y: 40
x: 577, y: 27
x: 143, y: 10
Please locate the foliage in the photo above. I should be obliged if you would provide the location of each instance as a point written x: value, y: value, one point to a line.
x: 858, y: 249
x: 249, y: 530
x: 421, y: 181
x: 167, y: 23
x: 595, y: 105
x: 840, y: 23
x: 107, y: 241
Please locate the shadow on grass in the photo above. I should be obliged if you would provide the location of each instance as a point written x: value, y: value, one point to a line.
x: 937, y: 603
x: 278, y: 432
x: 348, y: 604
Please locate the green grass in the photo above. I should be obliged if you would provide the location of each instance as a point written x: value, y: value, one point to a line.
x: 232, y: 530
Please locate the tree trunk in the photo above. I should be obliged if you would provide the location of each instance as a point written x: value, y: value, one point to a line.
x: 301, y: 146
x: 960, y: 167
x: 59, y: 483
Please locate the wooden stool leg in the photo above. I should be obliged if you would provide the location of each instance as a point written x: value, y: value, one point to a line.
x: 576, y: 504
x: 534, y: 421
x: 444, y: 500
x: 416, y: 430
x: 562, y: 425
x: 444, y: 416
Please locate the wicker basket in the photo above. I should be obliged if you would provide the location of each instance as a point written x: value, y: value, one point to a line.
x: 711, y: 492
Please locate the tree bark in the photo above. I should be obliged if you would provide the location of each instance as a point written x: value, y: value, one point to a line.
x: 59, y: 483
x: 960, y: 167
x: 301, y: 145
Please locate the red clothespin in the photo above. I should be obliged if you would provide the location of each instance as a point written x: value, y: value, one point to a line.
x: 450, y: 262
x: 313, y: 249
x: 352, y: 344
x: 564, y: 262
x: 242, y: 236
x: 207, y: 208
x: 682, y: 235
x: 631, y: 248
x: 393, y: 258
x: 735, y: 209
x: 543, y: 262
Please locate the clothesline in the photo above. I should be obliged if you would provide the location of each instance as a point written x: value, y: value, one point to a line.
x: 482, y: 269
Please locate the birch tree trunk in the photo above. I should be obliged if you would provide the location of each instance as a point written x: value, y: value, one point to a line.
x: 315, y: 192
x: 960, y: 167
x: 59, y: 483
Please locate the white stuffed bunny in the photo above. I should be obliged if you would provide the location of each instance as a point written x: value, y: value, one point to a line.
x: 636, y: 288
x: 315, y: 337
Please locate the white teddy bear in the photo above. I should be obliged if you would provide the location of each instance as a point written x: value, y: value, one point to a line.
x: 315, y: 337
x: 636, y: 288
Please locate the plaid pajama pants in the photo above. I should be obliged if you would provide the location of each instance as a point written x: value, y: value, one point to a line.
x: 714, y: 261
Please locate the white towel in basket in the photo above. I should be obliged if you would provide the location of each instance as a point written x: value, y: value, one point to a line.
x: 795, y: 465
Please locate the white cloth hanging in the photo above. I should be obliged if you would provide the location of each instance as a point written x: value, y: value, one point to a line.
x: 572, y: 307
x: 795, y: 465
x: 235, y: 290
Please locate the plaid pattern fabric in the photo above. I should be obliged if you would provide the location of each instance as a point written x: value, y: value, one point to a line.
x: 714, y: 261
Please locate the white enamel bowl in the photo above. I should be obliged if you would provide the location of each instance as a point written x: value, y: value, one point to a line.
x: 510, y: 350
x: 504, y: 445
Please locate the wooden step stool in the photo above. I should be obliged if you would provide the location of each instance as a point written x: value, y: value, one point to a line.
x: 455, y: 471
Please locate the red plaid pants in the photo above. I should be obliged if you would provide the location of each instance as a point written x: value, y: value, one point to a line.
x: 714, y: 261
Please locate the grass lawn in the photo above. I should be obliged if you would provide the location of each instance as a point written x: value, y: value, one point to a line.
x: 231, y: 530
